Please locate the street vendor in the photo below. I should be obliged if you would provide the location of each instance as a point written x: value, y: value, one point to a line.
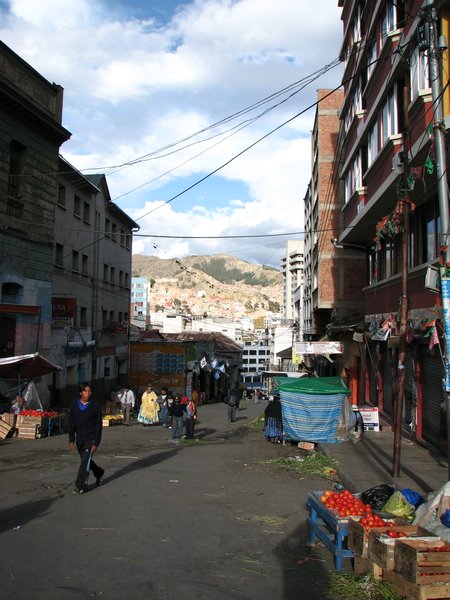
x: 18, y: 405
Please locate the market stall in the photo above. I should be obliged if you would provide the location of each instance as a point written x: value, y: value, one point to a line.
x: 312, y: 408
x: 27, y: 417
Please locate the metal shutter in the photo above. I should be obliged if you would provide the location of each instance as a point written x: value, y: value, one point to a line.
x: 432, y: 398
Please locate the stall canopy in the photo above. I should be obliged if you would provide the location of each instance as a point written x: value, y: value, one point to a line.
x: 26, y: 366
x: 311, y: 408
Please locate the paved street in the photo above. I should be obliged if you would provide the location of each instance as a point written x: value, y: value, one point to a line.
x: 204, y: 519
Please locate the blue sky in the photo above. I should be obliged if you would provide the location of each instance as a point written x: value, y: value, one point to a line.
x: 145, y: 81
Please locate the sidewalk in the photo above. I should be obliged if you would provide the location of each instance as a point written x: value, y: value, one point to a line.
x: 369, y: 462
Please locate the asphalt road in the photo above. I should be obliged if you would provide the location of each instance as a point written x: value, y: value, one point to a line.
x: 205, y: 519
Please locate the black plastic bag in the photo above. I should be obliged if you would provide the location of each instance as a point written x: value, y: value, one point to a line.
x: 377, y: 496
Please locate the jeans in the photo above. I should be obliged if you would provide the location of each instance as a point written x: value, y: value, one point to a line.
x: 164, y: 416
x: 83, y: 474
x: 177, y: 427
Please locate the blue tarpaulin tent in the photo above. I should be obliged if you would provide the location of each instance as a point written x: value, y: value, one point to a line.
x: 311, y: 407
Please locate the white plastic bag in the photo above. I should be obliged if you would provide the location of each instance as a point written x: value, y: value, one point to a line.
x: 429, y: 513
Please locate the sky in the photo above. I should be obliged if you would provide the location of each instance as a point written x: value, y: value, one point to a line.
x: 199, y: 113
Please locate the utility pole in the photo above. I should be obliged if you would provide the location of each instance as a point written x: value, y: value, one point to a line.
x: 435, y: 48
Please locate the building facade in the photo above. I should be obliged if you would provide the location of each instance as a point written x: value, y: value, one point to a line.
x: 393, y: 126
x: 292, y: 268
x: 30, y: 138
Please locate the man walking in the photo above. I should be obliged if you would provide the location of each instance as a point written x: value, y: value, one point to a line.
x: 233, y: 402
x: 127, y: 401
x: 85, y: 430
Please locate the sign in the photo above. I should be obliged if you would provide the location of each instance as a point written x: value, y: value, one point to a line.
x: 319, y: 348
x: 358, y: 337
x: 64, y: 311
x: 370, y: 418
x: 445, y: 288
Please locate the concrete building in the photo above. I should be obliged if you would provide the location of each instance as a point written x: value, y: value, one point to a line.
x: 255, y: 359
x: 394, y: 205
x: 292, y: 270
x: 30, y: 138
x: 329, y: 293
x: 91, y: 286
x: 140, y: 300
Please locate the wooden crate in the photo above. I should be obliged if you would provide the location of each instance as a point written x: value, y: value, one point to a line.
x: 413, y: 591
x: 358, y: 537
x: 10, y: 419
x: 6, y: 430
x: 417, y: 562
x: 364, y: 566
x: 28, y: 426
x: 381, y: 547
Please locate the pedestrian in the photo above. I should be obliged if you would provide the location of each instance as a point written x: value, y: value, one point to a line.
x: 169, y: 404
x: 191, y: 417
x: 177, y: 412
x: 256, y: 396
x: 148, y: 413
x: 127, y: 402
x: 85, y: 431
x: 273, y: 421
x: 163, y: 407
x: 233, y: 402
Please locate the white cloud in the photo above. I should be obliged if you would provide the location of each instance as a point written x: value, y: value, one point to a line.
x: 134, y: 85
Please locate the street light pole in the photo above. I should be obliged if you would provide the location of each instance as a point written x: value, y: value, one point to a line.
x: 435, y: 49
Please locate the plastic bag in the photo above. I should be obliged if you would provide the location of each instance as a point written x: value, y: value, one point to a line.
x: 445, y: 518
x: 377, y: 496
x: 436, y: 504
x: 412, y: 497
x: 399, y: 506
x: 347, y: 421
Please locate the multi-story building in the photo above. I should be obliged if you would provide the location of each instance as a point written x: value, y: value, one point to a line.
x: 395, y: 199
x: 255, y: 359
x: 140, y: 300
x: 91, y: 286
x: 292, y: 270
x: 30, y: 138
x: 332, y: 281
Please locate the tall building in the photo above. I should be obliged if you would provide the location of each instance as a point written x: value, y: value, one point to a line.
x: 329, y: 293
x: 292, y: 270
x: 31, y: 134
x: 395, y: 201
x: 140, y: 301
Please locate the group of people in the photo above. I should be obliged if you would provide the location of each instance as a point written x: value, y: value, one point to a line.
x: 85, y: 423
x: 174, y: 412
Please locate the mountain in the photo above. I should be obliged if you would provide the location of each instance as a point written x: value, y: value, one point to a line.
x: 218, y: 286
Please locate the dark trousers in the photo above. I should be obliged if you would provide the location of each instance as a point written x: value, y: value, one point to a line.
x: 83, y: 474
x: 190, y: 424
x: 232, y: 412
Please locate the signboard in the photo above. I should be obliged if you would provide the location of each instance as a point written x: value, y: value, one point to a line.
x: 445, y: 288
x: 64, y: 311
x: 370, y: 418
x: 319, y: 348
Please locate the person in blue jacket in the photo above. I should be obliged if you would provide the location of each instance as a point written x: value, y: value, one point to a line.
x: 85, y: 431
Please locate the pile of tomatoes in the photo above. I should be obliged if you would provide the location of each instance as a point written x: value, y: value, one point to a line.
x: 346, y: 504
x: 38, y: 413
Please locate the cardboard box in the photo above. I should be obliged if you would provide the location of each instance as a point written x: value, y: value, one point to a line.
x: 421, y: 561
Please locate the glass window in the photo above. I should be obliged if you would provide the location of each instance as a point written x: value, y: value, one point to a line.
x: 418, y: 69
x: 62, y: 195
x: 75, y: 261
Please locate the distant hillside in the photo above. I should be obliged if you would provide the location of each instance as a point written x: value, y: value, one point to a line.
x: 219, y: 285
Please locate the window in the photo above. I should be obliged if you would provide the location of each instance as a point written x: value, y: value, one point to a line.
x: 77, y: 206
x: 104, y: 317
x: 107, y: 367
x: 425, y: 230
x: 83, y: 316
x: 107, y: 227
x: 16, y: 155
x: 372, y: 144
x: 111, y: 315
x: 75, y: 261
x: 112, y: 276
x: 114, y: 232
x: 127, y: 277
x: 371, y: 58
x: 418, y: 70
x: 353, y: 178
x: 388, y: 117
x: 86, y: 213
x: 59, y: 255
x: 122, y: 237
x: 105, y: 272
x: 85, y: 264
x: 121, y: 278
x: 61, y: 195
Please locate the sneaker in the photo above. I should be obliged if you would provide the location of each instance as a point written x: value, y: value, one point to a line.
x: 78, y: 491
x: 99, y: 481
